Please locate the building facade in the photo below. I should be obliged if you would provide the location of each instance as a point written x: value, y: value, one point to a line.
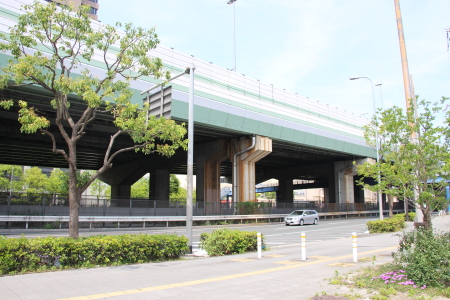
x: 92, y: 3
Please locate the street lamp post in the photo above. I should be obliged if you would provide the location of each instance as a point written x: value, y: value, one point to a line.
x: 190, y: 156
x: 381, y: 96
x: 234, y: 30
x: 380, y: 203
x: 190, y: 160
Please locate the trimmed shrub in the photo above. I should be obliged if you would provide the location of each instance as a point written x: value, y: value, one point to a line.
x: 425, y: 257
x: 250, y: 208
x: 411, y: 216
x: 227, y: 241
x: 386, y: 225
x: 39, y: 254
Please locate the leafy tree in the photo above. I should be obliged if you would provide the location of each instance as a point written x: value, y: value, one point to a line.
x: 58, y: 185
x: 174, y: 186
x: 58, y: 182
x: 414, y: 155
x: 141, y: 188
x: 63, y: 40
x: 35, y: 182
x: 100, y: 189
x: 270, y: 195
x: 181, y: 196
x: 10, y: 177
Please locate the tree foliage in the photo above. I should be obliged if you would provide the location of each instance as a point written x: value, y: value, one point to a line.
x: 141, y: 188
x: 58, y: 182
x: 50, y: 48
x: 174, y: 186
x: 414, y: 154
x: 100, y: 189
x: 10, y: 178
x: 35, y: 182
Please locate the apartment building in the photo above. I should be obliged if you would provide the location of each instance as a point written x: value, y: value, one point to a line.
x: 92, y: 3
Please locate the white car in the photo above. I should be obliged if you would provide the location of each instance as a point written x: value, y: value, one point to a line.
x: 300, y: 217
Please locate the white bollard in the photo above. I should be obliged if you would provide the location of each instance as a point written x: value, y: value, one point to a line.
x: 355, y: 247
x: 259, y: 244
x: 303, y: 246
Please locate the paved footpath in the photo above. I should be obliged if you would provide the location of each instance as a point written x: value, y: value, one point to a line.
x: 280, y: 273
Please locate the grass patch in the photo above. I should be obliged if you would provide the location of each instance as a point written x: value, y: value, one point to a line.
x: 385, y: 282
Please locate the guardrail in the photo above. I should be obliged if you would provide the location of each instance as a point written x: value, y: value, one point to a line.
x: 168, y: 219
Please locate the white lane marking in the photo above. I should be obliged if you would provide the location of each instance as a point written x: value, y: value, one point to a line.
x: 306, y: 230
x: 287, y: 227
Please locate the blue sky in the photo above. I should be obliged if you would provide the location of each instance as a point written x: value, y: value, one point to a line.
x: 310, y: 47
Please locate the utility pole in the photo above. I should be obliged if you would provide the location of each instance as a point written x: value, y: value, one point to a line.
x: 405, y: 68
x: 409, y: 90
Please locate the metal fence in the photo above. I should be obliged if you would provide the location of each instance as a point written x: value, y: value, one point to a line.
x: 56, y: 205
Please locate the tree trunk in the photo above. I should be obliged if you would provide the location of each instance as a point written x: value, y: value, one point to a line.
x: 406, y: 205
x: 74, y: 198
x: 74, y: 211
x: 391, y: 205
x: 426, y: 216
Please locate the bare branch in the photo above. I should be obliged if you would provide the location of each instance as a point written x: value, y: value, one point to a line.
x: 94, y: 176
x: 111, y: 143
x: 109, y: 161
x: 87, y: 118
x: 54, y: 148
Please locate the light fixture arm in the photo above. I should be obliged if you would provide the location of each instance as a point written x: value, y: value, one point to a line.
x: 377, y: 142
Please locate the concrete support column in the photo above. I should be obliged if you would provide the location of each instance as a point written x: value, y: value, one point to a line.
x: 285, y: 191
x: 245, y: 165
x: 348, y: 190
x: 360, y: 192
x: 212, y: 178
x: 121, y: 178
x: 326, y: 195
x: 200, y: 180
x: 120, y: 195
x: 159, y: 185
x: 346, y: 175
x: 344, y: 170
x: 208, y: 158
x: 330, y: 194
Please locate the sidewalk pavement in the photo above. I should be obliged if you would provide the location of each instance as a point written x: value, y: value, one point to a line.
x: 280, y: 273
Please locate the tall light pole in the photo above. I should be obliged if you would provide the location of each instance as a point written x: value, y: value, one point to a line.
x: 377, y: 146
x: 381, y: 96
x: 234, y: 30
x: 190, y: 159
x: 190, y: 156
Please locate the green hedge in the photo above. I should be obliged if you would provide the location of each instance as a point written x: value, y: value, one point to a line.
x: 227, y: 241
x: 411, y: 216
x: 386, y: 225
x: 40, y: 254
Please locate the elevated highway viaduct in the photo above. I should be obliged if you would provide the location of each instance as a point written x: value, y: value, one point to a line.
x: 294, y: 137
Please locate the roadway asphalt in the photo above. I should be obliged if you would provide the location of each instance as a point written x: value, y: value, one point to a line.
x: 280, y: 273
